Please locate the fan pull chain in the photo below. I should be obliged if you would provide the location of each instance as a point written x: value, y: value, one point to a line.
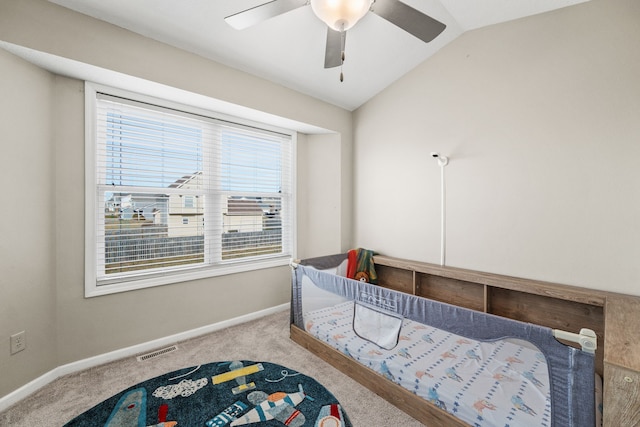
x: 343, y: 36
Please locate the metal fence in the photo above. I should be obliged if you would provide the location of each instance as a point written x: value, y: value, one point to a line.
x: 131, y: 247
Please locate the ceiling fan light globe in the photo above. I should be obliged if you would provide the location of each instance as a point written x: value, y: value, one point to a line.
x: 340, y: 15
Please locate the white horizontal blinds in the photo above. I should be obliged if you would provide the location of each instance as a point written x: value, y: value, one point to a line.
x: 255, y: 202
x: 151, y: 188
x: 179, y: 191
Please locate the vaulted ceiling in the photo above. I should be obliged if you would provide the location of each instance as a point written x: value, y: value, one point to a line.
x: 289, y: 49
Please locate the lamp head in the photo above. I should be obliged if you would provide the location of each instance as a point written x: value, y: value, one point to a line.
x: 442, y: 160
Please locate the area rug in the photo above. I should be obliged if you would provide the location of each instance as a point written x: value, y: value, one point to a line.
x: 232, y: 393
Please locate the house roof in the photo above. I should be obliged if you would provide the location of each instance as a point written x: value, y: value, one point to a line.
x: 244, y: 207
x: 179, y: 183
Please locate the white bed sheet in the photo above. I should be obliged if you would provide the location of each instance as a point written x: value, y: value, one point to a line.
x: 499, y: 383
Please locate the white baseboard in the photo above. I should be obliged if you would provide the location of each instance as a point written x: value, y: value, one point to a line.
x: 91, y: 362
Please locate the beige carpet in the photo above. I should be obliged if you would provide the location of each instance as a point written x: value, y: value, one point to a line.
x: 265, y: 339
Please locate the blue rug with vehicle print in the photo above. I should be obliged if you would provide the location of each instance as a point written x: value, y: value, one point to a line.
x: 218, y: 394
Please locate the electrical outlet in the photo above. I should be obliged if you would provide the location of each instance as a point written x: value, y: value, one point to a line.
x: 18, y: 342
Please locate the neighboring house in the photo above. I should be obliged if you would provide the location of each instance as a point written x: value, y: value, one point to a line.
x: 242, y: 215
x: 182, y: 214
x: 186, y: 211
x: 148, y: 211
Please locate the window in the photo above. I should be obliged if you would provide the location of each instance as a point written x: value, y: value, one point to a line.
x: 174, y: 195
x: 188, y: 201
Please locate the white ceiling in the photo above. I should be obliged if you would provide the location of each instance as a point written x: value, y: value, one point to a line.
x: 289, y: 49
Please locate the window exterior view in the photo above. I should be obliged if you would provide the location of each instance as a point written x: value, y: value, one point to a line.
x: 177, y: 191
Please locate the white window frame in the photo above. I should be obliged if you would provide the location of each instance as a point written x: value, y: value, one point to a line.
x: 92, y: 287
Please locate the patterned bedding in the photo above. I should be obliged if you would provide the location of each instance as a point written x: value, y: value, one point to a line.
x: 501, y: 383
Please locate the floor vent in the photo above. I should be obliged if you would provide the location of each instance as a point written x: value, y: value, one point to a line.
x: 156, y: 353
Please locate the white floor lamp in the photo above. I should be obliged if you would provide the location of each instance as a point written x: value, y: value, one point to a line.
x: 442, y: 162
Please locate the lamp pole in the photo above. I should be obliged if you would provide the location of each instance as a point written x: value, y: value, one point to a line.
x: 442, y: 162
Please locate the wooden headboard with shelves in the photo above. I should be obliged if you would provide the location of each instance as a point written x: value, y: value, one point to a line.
x: 555, y: 306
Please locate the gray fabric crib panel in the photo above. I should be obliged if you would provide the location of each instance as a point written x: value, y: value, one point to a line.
x: 571, y: 370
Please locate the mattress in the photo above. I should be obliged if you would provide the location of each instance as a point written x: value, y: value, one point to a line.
x: 483, y: 383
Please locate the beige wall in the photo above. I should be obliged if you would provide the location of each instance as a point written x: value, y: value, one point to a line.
x: 27, y: 245
x: 541, y: 119
x: 321, y: 220
x: 42, y: 264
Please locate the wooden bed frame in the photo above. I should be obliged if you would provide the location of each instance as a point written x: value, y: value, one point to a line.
x: 614, y: 317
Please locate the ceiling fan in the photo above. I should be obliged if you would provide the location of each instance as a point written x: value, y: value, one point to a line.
x: 341, y: 15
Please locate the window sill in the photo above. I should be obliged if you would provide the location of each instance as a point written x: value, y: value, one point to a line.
x: 93, y: 289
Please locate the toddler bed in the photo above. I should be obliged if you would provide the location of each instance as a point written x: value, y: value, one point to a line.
x: 460, y: 366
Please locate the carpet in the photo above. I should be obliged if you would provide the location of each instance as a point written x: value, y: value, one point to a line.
x: 230, y: 393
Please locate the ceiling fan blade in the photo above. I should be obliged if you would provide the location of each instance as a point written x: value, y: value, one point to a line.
x: 335, y: 47
x: 255, y: 15
x: 409, y: 19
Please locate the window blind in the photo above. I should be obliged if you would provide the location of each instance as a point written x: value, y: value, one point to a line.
x: 178, y: 191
